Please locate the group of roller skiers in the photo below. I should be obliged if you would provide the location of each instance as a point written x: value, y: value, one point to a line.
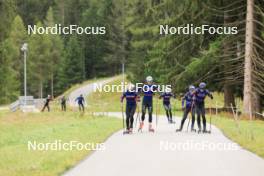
x: 63, y: 101
x: 192, y: 102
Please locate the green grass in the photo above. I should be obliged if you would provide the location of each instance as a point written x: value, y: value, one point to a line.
x: 106, y: 101
x: 249, y: 134
x: 16, y: 129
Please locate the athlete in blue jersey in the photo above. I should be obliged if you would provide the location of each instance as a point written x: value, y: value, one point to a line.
x: 80, y: 100
x: 188, y: 106
x: 147, y: 103
x: 166, y: 96
x: 200, y: 95
x: 131, y: 105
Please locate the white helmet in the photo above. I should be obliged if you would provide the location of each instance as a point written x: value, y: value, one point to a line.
x: 131, y: 87
x: 191, y: 88
x: 202, y: 85
x: 149, y: 79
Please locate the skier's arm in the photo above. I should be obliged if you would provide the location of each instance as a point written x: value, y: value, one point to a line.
x: 122, y: 97
x: 183, y: 101
x: 210, y: 94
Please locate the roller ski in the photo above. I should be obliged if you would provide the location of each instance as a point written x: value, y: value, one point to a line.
x: 193, y: 130
x: 178, y: 130
x: 171, y: 122
x: 130, y: 131
x: 205, y: 131
x: 151, y: 129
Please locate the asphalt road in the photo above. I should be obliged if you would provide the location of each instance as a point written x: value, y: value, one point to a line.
x: 168, y: 153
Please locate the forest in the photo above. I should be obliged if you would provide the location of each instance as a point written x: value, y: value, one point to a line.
x: 231, y: 64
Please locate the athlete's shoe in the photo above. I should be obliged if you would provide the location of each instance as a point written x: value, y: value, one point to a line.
x: 193, y: 130
x: 150, y: 128
x: 126, y: 132
x: 179, y: 130
x: 141, y: 126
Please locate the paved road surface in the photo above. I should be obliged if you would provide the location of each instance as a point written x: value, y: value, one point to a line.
x: 189, y: 154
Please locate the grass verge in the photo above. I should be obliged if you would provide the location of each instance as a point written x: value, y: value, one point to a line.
x: 16, y: 129
x: 248, y: 134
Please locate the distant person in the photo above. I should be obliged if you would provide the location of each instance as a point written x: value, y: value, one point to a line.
x: 80, y: 100
x: 131, y: 105
x: 188, y: 107
x: 167, y: 95
x: 200, y: 95
x: 63, y: 103
x: 46, y: 105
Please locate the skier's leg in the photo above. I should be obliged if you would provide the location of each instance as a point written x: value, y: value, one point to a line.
x: 128, y: 109
x: 170, y: 113
x: 150, y: 109
x: 198, y: 112
x: 142, y: 116
x: 82, y: 107
x: 143, y: 112
x: 204, y: 119
x: 133, y: 110
x: 193, y: 118
x: 166, y: 107
x: 185, y: 114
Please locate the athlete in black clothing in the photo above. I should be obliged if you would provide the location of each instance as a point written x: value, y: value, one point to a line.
x: 46, y: 105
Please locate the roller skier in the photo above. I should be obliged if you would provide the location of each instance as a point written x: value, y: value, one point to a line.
x: 188, y: 106
x: 131, y: 97
x: 166, y: 96
x: 200, y: 95
x: 147, y: 104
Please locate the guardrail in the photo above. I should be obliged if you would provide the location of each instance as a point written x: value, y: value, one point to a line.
x: 29, y: 101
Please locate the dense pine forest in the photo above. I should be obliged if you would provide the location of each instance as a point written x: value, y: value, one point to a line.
x: 232, y: 64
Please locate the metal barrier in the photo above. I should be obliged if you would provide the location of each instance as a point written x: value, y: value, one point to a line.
x: 28, y: 101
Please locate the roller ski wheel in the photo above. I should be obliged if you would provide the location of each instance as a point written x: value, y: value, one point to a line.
x: 205, y: 131
x: 178, y: 130
x: 193, y: 130
x: 199, y: 131
x: 171, y: 122
x: 126, y: 132
x: 151, y: 130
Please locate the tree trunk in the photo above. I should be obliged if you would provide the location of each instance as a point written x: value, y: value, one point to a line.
x: 52, y: 86
x: 229, y: 97
x: 40, y: 90
x: 248, y: 82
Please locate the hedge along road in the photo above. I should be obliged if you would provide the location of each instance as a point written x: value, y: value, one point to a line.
x: 166, y: 152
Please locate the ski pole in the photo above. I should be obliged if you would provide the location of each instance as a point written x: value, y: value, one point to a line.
x: 210, y: 117
x: 123, y: 118
x: 157, y: 113
x: 137, y: 116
